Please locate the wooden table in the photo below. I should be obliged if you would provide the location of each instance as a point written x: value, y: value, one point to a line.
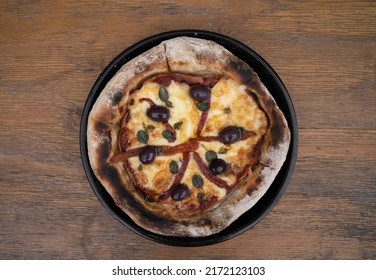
x: 50, y: 55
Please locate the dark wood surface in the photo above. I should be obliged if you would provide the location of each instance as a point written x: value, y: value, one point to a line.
x: 51, y: 52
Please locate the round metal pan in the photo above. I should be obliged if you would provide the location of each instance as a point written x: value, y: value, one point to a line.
x: 269, y: 78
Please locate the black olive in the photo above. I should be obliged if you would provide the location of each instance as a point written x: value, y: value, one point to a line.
x: 230, y: 134
x: 147, y: 154
x: 199, y: 93
x: 158, y: 113
x: 179, y: 192
x: 217, y: 166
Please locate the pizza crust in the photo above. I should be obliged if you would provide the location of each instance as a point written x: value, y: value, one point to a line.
x: 202, y: 57
x: 189, y: 56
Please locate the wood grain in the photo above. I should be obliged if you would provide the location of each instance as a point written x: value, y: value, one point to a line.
x: 51, y: 54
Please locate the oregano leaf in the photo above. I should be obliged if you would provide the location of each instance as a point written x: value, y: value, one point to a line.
x: 202, y: 106
x: 197, y: 181
x: 178, y: 125
x: 142, y: 136
x: 163, y: 94
x: 210, y: 155
x: 174, y: 167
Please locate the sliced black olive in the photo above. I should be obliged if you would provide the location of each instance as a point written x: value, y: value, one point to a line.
x: 179, y: 192
x: 147, y: 154
x: 199, y: 93
x: 230, y: 134
x: 158, y: 113
x: 217, y: 166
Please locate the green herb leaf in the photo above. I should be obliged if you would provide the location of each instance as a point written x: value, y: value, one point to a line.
x: 210, y: 155
x: 149, y: 127
x: 222, y: 150
x: 140, y: 167
x: 174, y: 167
x: 178, y: 125
x: 227, y: 110
x: 163, y: 94
x: 169, y: 104
x: 167, y: 134
x: 200, y: 197
x: 142, y: 136
x: 197, y: 181
x: 202, y: 106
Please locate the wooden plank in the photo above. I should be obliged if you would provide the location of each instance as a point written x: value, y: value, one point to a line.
x: 51, y: 54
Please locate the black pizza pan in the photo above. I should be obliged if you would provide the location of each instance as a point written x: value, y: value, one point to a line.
x: 275, y: 86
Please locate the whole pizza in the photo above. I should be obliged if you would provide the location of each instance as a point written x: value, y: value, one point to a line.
x: 186, y: 138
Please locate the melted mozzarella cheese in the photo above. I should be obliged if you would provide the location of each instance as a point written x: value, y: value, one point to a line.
x: 231, y: 105
x: 156, y: 176
x: 236, y: 156
x: 208, y: 190
x: 183, y: 110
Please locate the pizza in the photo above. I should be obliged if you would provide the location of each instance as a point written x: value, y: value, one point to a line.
x: 186, y: 138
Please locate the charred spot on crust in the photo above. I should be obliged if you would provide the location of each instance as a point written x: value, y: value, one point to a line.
x: 145, y: 216
x: 205, y: 222
x: 101, y: 127
x: 277, y: 129
x: 155, y: 220
x: 252, y: 189
x: 116, y: 98
x: 104, y: 151
x: 275, y: 122
x: 258, y: 180
x: 242, y: 70
x: 111, y: 173
x: 254, y: 84
x: 203, y: 55
x: 109, y: 136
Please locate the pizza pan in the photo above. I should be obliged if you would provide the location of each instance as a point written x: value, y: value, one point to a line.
x: 270, y: 79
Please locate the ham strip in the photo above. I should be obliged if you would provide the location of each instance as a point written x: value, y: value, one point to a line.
x: 189, y: 146
x: 202, y: 122
x: 247, y: 134
x: 148, y: 100
x: 207, y: 138
x: 178, y: 177
x: 255, y: 154
x: 206, y: 172
x: 204, y: 117
x: 126, y: 155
